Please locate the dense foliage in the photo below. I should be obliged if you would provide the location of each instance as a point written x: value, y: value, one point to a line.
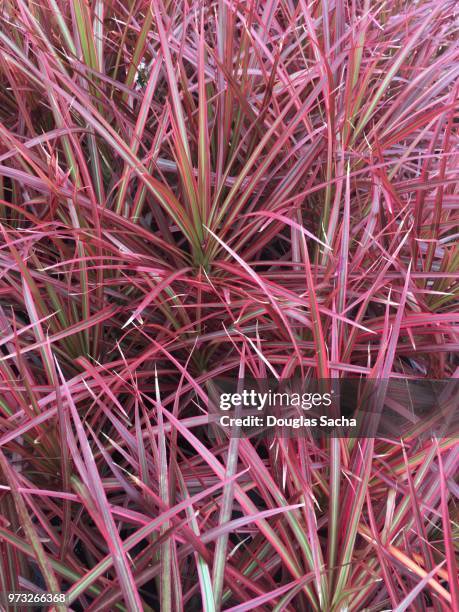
x: 197, y: 189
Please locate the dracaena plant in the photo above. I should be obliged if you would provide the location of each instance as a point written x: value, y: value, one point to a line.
x: 191, y: 190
